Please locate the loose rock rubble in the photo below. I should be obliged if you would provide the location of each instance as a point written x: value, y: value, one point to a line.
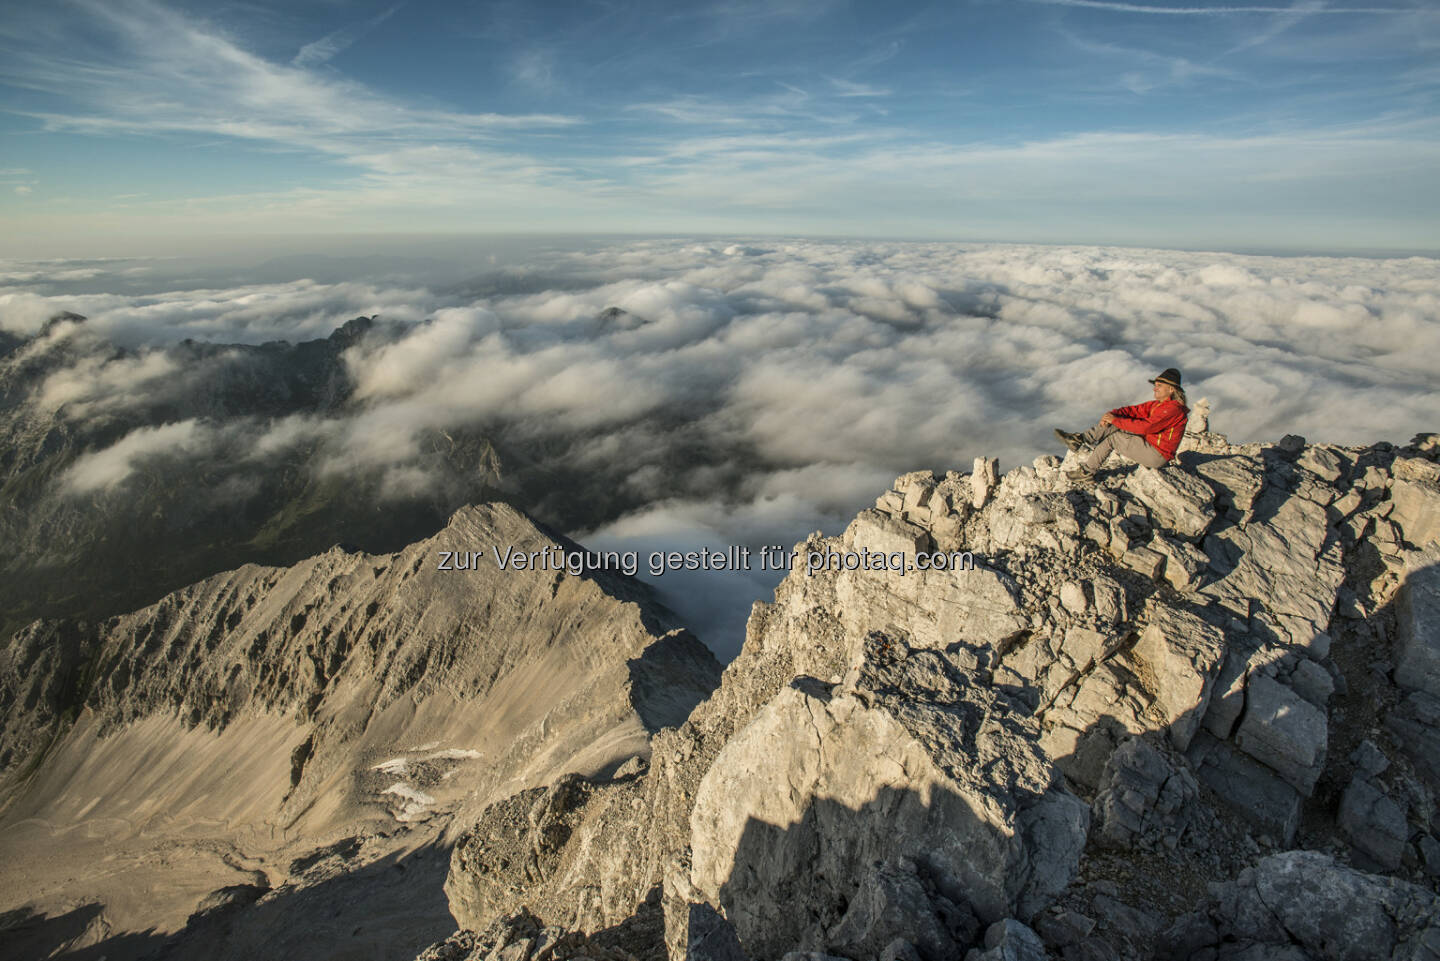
x: 1186, y: 713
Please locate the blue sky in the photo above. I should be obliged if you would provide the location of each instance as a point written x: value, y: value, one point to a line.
x: 129, y: 125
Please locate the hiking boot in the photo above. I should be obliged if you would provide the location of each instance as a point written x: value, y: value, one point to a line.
x: 1073, y: 441
x: 1081, y: 476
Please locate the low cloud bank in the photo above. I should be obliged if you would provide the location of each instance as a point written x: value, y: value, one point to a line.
x: 111, y: 466
x: 748, y: 393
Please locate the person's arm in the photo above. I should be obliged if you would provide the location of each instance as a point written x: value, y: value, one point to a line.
x: 1159, y: 416
x: 1133, y: 419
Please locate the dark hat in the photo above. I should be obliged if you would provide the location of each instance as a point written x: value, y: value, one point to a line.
x: 1169, y: 376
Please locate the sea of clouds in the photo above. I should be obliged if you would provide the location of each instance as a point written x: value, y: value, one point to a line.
x: 828, y: 368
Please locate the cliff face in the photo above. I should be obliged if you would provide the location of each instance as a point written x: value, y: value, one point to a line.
x: 1139, y: 689
x: 349, y: 698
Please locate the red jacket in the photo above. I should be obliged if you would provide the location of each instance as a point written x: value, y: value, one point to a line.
x: 1160, y: 422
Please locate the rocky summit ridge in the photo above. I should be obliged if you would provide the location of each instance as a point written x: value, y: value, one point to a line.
x: 1188, y: 713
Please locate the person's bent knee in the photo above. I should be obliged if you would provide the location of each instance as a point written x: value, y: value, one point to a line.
x: 1135, y: 447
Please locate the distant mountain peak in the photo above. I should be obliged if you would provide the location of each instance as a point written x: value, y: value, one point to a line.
x: 64, y: 317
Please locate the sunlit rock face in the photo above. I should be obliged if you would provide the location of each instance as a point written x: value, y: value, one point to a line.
x: 1139, y: 676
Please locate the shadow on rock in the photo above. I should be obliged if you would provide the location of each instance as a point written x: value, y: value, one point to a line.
x: 26, y: 934
x: 390, y: 908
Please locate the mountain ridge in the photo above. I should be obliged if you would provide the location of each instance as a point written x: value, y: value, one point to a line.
x: 1172, y: 716
x: 1196, y: 733
x: 348, y: 696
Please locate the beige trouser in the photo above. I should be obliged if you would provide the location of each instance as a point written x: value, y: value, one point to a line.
x: 1108, y: 437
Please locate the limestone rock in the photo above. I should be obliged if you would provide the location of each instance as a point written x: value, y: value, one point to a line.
x: 1184, y: 564
x: 1417, y: 620
x: 907, y: 758
x: 1250, y: 788
x: 983, y: 479
x: 915, y: 489
x: 1177, y: 500
x: 710, y: 937
x: 1283, y: 731
x: 1090, y: 718
x: 1072, y: 597
x: 1109, y: 599
x: 892, y: 904
x: 1373, y: 822
x: 1183, y: 655
x: 1009, y: 940
x: 1289, y: 564
x: 1144, y: 562
x: 948, y: 533
x: 899, y: 950
x: 1042, y: 518
x: 1304, y: 899
x: 1083, y: 648
x: 1347, y: 504
x: 1368, y: 759
x: 1227, y: 694
x: 1312, y: 682
x: 1421, y: 469
x: 980, y: 604
x: 1416, y: 511
x: 227, y: 899
x: 1322, y: 462
x: 1121, y: 537
x: 1430, y: 854
x: 1059, y: 927
x: 1199, y: 420
x: 1134, y: 925
x: 1237, y: 479
x: 884, y: 534
x: 1144, y: 798
x: 1426, y: 442
x: 1415, y: 722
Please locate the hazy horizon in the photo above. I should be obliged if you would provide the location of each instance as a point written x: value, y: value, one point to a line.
x: 461, y: 245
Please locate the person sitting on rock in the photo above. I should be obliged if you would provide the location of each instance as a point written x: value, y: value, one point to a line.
x: 1146, y: 433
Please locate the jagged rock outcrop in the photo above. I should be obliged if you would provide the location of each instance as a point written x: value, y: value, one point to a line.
x: 999, y: 716
x: 350, y: 696
x: 1173, y: 644
x: 908, y: 757
x: 337, y: 640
